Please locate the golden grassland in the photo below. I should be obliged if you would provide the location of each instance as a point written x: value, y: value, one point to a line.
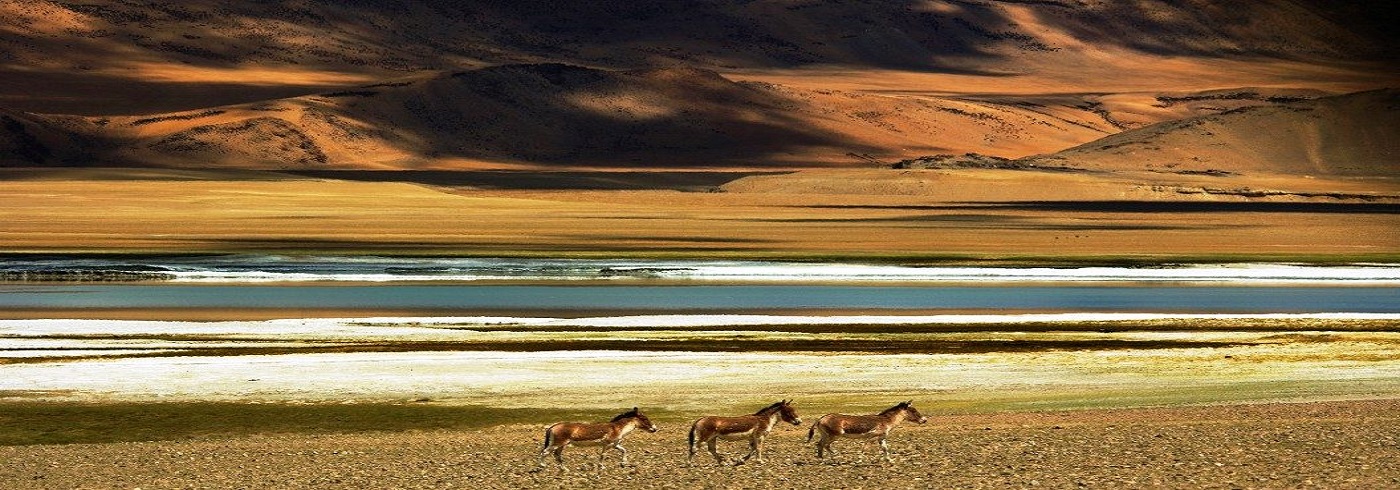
x: 880, y: 214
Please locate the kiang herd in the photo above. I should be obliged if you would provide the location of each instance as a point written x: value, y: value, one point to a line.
x: 709, y: 430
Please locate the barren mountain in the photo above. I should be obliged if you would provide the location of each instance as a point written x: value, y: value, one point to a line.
x: 408, y: 35
x: 140, y: 56
x: 1348, y: 136
x: 559, y: 114
x: 434, y: 84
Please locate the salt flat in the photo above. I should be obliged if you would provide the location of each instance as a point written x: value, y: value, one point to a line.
x: 1130, y: 359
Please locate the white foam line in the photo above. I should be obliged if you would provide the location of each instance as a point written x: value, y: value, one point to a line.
x: 1378, y: 274
x: 662, y: 321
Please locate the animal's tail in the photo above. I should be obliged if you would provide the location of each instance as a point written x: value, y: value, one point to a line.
x: 812, y: 431
x: 690, y: 439
x: 548, y: 438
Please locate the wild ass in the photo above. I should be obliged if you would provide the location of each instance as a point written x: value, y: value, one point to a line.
x: 608, y: 435
x: 834, y: 425
x: 710, y: 429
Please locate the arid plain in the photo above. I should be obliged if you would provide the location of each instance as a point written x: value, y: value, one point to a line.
x: 998, y: 134
x: 914, y: 216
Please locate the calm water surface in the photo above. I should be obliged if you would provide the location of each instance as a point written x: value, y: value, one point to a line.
x: 1230, y: 299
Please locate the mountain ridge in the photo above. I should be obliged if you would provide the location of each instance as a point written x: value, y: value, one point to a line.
x: 567, y: 115
x: 433, y: 84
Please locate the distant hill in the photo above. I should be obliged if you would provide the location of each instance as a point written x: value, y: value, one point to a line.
x: 1350, y: 136
x: 565, y: 115
x: 409, y: 35
x: 35, y: 140
x: 409, y: 84
x: 110, y: 57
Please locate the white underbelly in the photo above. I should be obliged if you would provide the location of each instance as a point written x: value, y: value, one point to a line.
x: 736, y: 436
x: 865, y: 435
x: 595, y: 442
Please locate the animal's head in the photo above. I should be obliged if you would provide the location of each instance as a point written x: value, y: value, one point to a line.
x: 910, y: 413
x: 642, y: 420
x: 789, y: 413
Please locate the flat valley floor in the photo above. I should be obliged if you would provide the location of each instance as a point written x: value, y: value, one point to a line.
x: 991, y: 217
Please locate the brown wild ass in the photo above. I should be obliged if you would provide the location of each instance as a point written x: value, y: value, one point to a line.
x: 608, y: 435
x: 709, y: 430
x: 834, y: 425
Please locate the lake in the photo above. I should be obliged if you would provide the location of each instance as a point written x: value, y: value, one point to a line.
x: 669, y: 297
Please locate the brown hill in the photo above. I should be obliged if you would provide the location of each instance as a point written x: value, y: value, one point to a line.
x: 554, y: 114
x: 37, y: 140
x: 1351, y: 136
x: 217, y: 83
x: 104, y: 57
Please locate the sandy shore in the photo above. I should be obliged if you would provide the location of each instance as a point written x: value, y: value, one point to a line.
x: 977, y: 362
x: 1344, y: 444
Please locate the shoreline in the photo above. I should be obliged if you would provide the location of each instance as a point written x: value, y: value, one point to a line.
x: 882, y: 258
x: 789, y: 316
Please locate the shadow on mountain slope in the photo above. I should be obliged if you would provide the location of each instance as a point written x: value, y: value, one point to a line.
x: 113, y: 57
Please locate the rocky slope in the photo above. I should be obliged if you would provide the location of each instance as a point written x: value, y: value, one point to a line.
x: 1345, y: 136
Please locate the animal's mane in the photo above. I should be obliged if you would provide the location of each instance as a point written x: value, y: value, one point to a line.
x: 895, y: 408
x: 626, y: 415
x: 770, y: 407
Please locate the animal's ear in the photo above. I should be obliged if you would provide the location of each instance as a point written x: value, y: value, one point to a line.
x: 634, y: 409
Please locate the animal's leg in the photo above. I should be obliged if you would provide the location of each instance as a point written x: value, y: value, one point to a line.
x: 549, y: 444
x: 757, y: 449
x: 824, y: 446
x: 885, y: 450
x: 624, y: 454
x: 603, y: 452
x: 544, y: 452
x: 559, y: 457
x: 714, y: 451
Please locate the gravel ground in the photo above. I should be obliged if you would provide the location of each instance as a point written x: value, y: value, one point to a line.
x: 1350, y: 444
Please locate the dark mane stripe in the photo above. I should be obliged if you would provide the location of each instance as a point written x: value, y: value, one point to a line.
x: 626, y: 415
x: 774, y: 406
x: 895, y: 408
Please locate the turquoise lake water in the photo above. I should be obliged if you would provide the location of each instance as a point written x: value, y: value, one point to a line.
x: 1228, y: 299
